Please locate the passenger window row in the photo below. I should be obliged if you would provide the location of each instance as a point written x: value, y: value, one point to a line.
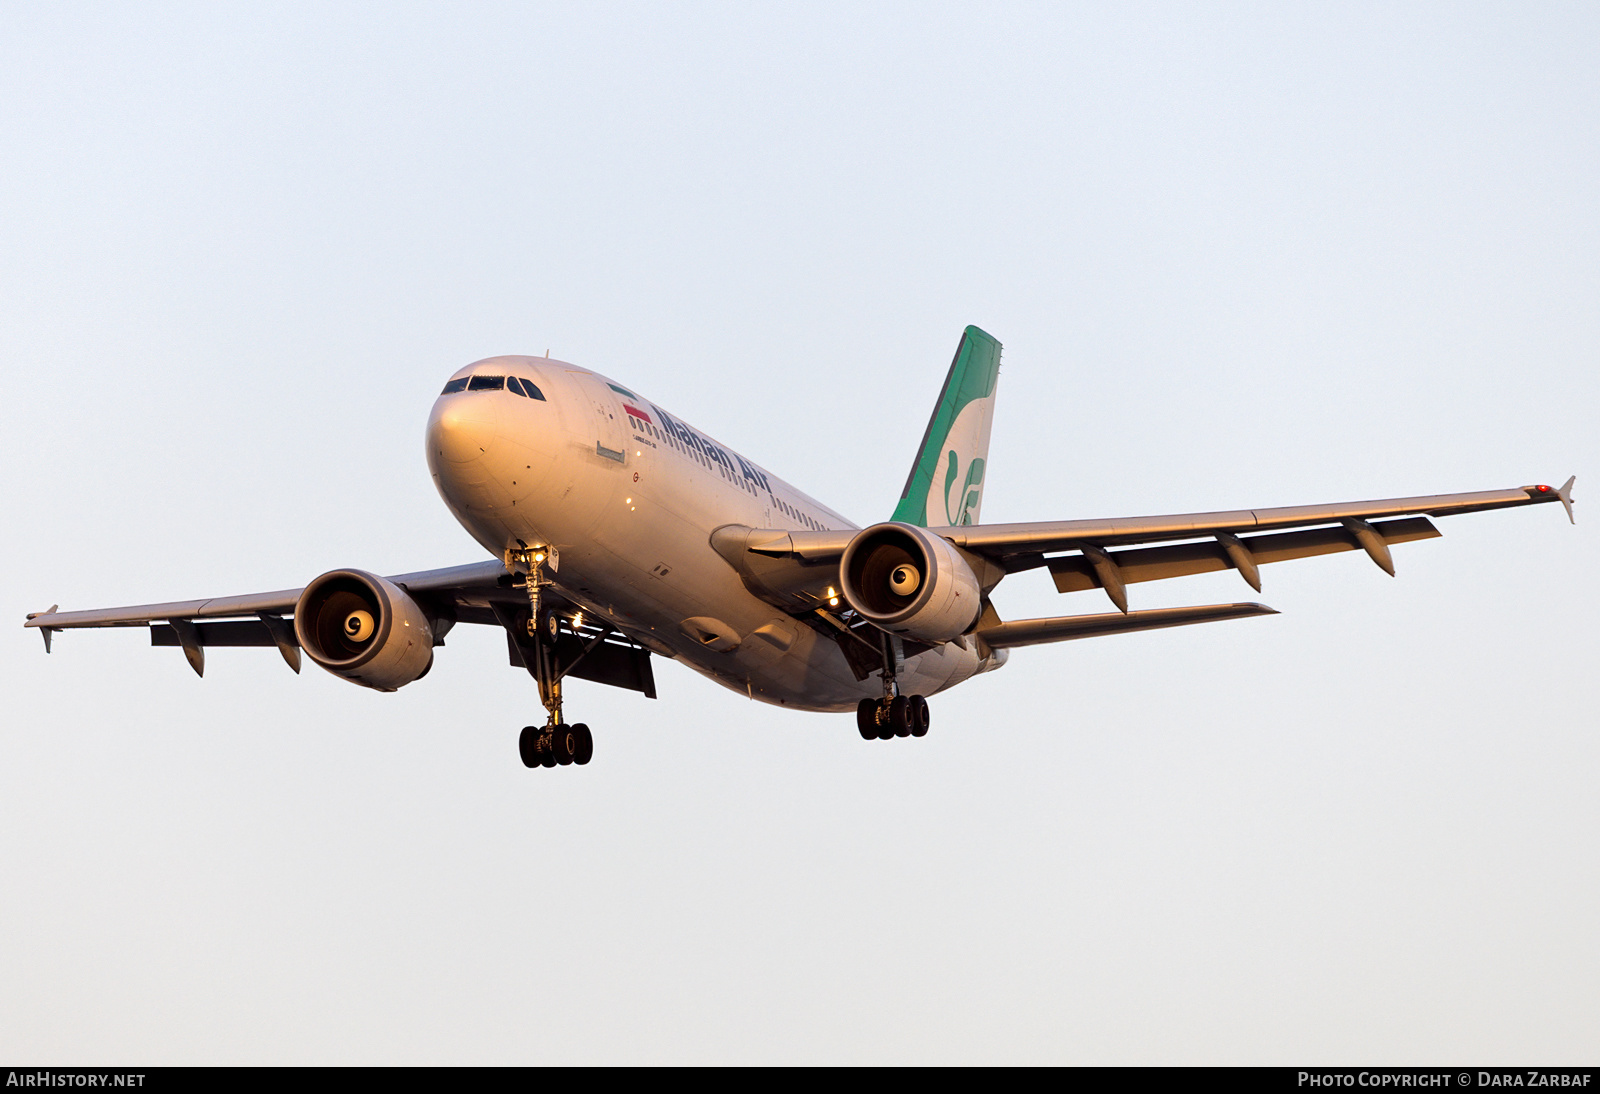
x: 522, y: 387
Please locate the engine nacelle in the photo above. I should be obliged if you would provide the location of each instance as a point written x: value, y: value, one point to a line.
x: 366, y: 629
x: 910, y: 582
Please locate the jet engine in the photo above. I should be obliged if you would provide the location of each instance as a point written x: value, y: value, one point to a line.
x: 910, y: 582
x: 366, y: 629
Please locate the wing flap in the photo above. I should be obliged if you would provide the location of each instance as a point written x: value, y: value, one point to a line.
x: 1073, y: 573
x: 1034, y: 632
x: 232, y: 633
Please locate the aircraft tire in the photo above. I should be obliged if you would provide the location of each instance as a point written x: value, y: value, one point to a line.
x: 585, y: 751
x: 549, y: 628
x: 527, y: 746
x: 900, y: 716
x: 867, y: 719
x: 564, y: 744
x: 920, y: 718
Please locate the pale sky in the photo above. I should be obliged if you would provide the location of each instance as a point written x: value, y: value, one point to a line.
x: 1238, y: 255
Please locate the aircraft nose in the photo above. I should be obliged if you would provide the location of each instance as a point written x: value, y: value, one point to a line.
x: 462, y: 428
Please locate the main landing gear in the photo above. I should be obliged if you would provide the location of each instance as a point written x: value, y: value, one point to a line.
x: 901, y: 716
x: 555, y: 743
x: 894, y: 715
x: 548, y: 746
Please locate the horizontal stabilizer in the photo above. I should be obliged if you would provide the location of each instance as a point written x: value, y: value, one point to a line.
x: 1075, y: 572
x: 1034, y: 632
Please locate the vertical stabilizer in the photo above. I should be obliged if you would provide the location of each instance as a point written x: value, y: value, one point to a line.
x: 946, y: 482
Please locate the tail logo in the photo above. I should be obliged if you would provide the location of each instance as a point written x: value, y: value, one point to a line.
x: 971, y: 489
x: 956, y: 491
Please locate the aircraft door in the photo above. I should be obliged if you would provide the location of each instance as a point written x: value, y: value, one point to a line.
x: 611, y: 441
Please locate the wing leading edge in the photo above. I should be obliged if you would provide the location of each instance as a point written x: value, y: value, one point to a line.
x: 449, y: 582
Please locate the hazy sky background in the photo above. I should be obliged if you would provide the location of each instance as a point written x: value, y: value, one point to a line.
x: 1239, y: 255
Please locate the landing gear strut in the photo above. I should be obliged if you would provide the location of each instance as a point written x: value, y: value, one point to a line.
x: 555, y: 743
x: 894, y: 715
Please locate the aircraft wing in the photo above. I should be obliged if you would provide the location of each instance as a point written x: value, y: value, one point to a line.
x: 478, y: 592
x: 796, y: 568
x: 470, y: 593
x: 1011, y: 540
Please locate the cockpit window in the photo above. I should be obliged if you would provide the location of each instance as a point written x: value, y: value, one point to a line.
x: 525, y: 387
x: 522, y: 387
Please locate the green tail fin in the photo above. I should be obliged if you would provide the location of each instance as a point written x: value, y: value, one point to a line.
x: 946, y: 482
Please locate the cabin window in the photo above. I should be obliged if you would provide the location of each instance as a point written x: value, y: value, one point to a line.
x: 454, y: 386
x: 487, y: 383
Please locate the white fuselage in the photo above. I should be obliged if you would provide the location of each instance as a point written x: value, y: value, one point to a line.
x: 628, y: 495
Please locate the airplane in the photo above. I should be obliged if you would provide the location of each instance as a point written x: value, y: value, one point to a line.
x: 616, y: 531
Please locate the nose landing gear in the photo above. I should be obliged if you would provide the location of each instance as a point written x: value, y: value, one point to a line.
x: 554, y: 744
